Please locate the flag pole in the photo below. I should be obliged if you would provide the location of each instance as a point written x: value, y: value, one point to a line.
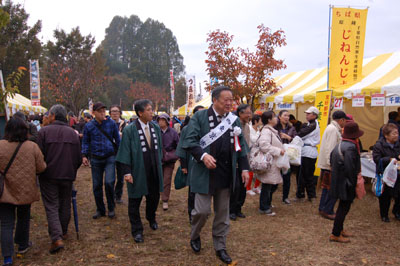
x: 329, y: 45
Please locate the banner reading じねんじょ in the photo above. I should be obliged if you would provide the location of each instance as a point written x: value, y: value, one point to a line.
x: 347, y: 46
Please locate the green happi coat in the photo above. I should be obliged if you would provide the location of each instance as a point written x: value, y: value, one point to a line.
x: 181, y: 153
x: 198, y: 174
x: 130, y: 152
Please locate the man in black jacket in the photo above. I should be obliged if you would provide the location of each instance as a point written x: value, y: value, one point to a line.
x: 61, y: 149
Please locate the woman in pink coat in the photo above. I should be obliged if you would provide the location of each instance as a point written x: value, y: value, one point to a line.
x: 269, y: 142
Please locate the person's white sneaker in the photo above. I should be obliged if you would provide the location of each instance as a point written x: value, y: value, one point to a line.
x: 165, y: 206
x: 270, y: 213
x: 250, y: 192
x: 257, y: 190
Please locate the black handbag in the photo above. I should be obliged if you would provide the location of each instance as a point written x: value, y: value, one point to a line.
x: 169, y: 156
x: 3, y: 174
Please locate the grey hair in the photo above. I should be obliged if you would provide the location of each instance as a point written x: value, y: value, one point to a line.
x: 59, y: 112
x: 140, y: 105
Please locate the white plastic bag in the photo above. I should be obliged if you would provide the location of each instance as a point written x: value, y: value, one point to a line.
x: 297, y: 141
x: 390, y: 174
x: 283, y: 163
x: 293, y: 150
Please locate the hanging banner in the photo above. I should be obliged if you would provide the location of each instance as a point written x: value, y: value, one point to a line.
x: 90, y: 104
x: 347, y: 46
x: 191, y: 92
x: 393, y: 101
x: 378, y: 99
x: 172, y: 84
x: 35, y: 82
x: 338, y: 103
x: 3, y: 89
x: 323, y: 103
x: 358, y: 101
x: 285, y: 106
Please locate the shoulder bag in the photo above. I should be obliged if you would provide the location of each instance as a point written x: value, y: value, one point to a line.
x: 109, y: 138
x: 260, y: 162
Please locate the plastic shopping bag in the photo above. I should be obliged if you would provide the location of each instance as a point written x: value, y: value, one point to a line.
x: 390, y: 174
x: 294, y: 153
x: 377, y: 184
x: 283, y: 163
x: 297, y: 141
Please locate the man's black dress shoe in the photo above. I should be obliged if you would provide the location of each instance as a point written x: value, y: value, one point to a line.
x: 385, y: 219
x: 223, y: 256
x: 232, y: 216
x: 154, y: 225
x: 98, y: 215
x: 196, y: 245
x: 240, y: 215
x: 138, y: 238
x: 111, y: 214
x: 397, y: 216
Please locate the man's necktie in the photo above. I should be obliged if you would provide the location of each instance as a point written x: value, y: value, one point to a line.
x: 147, y: 134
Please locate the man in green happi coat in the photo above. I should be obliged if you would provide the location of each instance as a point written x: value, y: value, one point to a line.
x: 140, y: 154
x: 210, y: 139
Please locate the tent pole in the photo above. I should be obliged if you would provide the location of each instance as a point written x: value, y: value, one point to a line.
x: 329, y: 45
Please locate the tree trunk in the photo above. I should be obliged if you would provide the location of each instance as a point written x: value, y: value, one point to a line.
x: 252, y: 103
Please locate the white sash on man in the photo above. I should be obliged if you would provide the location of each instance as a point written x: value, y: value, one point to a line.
x: 218, y: 131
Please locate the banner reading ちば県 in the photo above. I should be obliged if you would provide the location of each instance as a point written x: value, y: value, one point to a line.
x: 347, y: 46
x: 323, y: 101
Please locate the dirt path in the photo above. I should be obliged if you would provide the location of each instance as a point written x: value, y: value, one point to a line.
x: 295, y: 236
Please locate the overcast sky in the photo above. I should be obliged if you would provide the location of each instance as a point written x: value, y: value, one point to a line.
x: 305, y: 23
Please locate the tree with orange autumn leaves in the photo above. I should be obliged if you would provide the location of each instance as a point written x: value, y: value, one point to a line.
x: 247, y: 73
x: 145, y: 90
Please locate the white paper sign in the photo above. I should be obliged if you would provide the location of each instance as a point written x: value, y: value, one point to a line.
x: 358, y: 101
x: 338, y: 103
x: 393, y: 101
x: 285, y: 106
x: 378, y: 99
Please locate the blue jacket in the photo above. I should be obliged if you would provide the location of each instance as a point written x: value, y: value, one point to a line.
x: 95, y: 143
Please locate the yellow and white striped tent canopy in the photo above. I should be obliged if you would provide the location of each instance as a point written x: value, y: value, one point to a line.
x: 21, y: 103
x: 381, y: 74
x: 181, y: 111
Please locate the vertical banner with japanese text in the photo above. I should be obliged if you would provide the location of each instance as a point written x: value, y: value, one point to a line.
x: 35, y: 82
x: 3, y: 92
x: 191, y: 90
x: 347, y: 46
x: 323, y: 103
x: 172, y: 84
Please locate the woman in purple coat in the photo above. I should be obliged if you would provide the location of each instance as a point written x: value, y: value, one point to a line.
x: 287, y: 132
x: 170, y: 140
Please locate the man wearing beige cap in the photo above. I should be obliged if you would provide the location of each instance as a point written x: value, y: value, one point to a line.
x: 309, y: 133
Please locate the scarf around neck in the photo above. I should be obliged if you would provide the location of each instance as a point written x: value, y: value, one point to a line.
x: 355, y: 141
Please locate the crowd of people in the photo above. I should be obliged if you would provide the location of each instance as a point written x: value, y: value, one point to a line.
x: 41, y: 156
